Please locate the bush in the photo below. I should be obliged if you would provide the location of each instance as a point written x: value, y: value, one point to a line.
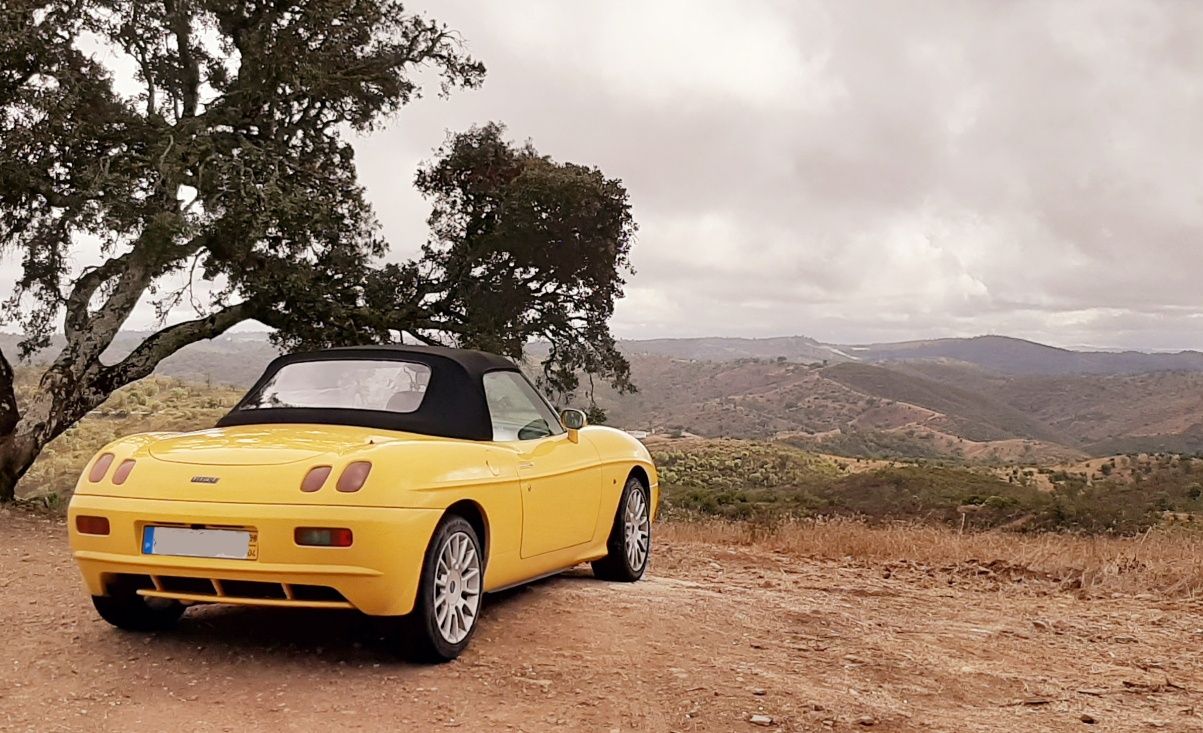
x: 774, y: 481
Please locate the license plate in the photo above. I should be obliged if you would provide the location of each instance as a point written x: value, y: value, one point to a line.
x: 228, y: 544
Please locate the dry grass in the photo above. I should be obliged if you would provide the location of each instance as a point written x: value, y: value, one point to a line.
x: 1163, y: 562
x: 153, y: 404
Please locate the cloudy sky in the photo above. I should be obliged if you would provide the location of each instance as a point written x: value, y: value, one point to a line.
x: 858, y: 171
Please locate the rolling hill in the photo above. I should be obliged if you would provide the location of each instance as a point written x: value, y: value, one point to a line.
x: 1002, y: 354
x: 1013, y: 356
x: 792, y: 348
x: 989, y: 397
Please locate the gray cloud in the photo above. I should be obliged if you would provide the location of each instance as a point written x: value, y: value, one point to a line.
x: 858, y: 171
x: 863, y: 171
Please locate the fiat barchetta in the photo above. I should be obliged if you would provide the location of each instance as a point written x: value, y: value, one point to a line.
x: 402, y: 481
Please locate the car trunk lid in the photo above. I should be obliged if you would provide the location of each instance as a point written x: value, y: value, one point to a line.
x: 257, y: 445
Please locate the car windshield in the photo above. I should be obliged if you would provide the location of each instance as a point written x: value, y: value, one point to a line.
x: 350, y: 384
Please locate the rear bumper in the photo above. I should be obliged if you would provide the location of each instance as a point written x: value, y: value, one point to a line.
x: 378, y: 574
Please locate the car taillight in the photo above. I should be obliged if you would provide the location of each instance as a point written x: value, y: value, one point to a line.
x: 100, y: 467
x: 315, y: 479
x: 353, y: 476
x: 323, y: 536
x: 92, y: 525
x: 122, y: 472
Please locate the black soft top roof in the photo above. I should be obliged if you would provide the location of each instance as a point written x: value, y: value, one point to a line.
x: 454, y: 405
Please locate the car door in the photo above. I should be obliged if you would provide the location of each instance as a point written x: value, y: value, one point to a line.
x: 560, y: 478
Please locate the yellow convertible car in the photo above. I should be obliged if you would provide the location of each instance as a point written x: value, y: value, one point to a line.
x: 401, y: 481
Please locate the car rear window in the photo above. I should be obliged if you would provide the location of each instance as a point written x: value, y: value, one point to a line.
x: 349, y: 384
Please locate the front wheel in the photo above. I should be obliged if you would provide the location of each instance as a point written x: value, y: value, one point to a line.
x: 449, y: 595
x: 630, y: 543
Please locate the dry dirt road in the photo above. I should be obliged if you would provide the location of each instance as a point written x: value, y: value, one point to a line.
x: 713, y: 637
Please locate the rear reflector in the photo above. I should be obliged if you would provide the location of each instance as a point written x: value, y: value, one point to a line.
x: 92, y: 525
x: 353, y: 476
x: 100, y: 467
x: 122, y: 472
x: 315, y: 479
x: 323, y: 537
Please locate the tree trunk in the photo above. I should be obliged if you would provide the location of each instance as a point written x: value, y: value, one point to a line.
x: 17, y: 453
x: 60, y: 402
x: 76, y: 383
x: 15, y: 458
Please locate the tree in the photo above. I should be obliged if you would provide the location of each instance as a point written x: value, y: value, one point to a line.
x: 218, y: 176
x: 523, y: 247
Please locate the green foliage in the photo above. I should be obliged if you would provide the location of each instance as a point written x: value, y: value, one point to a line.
x: 747, y: 480
x: 1106, y: 506
x: 928, y: 492
x: 879, y: 444
x: 250, y: 109
x: 247, y: 106
x: 595, y: 415
x: 527, y: 248
x: 740, y: 479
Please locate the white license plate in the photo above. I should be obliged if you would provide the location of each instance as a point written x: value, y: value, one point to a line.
x: 232, y: 544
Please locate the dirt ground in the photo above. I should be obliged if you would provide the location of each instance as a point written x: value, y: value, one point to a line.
x: 715, y: 636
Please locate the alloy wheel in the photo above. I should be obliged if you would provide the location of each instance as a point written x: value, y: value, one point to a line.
x: 457, y: 587
x: 636, y: 529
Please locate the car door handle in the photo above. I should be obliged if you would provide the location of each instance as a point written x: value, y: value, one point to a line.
x: 526, y: 464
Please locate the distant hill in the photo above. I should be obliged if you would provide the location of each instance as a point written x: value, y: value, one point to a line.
x: 792, y: 348
x: 1104, y: 413
x: 964, y: 412
x: 1007, y: 355
x: 233, y: 359
x: 1001, y: 354
x: 990, y: 397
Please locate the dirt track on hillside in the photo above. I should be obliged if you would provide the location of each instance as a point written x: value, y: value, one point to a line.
x: 713, y: 637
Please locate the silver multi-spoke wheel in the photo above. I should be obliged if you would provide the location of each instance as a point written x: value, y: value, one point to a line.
x: 457, y: 587
x: 636, y: 529
x: 629, y: 546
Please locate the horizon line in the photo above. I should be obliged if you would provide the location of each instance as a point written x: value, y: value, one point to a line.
x: 1077, y: 348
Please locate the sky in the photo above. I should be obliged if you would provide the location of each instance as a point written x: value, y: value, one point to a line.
x: 856, y: 171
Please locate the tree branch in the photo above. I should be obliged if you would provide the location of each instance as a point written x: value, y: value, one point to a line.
x: 181, y: 26
x: 135, y: 271
x: 85, y: 287
x: 143, y: 360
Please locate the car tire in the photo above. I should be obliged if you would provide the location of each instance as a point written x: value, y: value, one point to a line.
x: 630, y: 544
x: 131, y: 612
x: 450, y: 595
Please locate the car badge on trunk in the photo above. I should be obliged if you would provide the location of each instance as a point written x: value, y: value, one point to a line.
x: 205, y: 479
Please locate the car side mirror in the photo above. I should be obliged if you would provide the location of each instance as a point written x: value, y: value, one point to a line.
x: 573, y: 420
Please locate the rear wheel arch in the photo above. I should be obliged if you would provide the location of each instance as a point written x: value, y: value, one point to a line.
x: 447, y: 602
x: 475, y: 515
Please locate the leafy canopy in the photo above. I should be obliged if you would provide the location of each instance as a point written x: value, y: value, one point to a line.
x: 202, y: 146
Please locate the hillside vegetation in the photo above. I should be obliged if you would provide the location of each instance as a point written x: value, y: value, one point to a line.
x: 963, y: 412
x: 157, y: 403
x: 769, y: 482
x: 762, y: 480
